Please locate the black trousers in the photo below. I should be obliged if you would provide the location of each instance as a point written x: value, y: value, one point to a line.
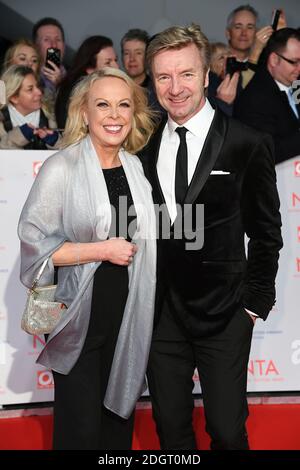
x: 80, y: 420
x: 222, y: 361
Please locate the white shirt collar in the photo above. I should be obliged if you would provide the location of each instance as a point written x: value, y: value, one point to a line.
x: 283, y: 87
x: 19, y: 119
x: 197, y: 124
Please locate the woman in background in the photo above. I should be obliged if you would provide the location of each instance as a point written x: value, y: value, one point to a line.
x: 23, y: 52
x: 94, y: 53
x: 25, y: 121
x: 219, y: 54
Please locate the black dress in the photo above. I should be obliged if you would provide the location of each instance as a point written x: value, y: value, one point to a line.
x: 80, y: 420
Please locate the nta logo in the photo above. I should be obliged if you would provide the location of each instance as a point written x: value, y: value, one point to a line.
x: 295, y: 199
x: 262, y: 367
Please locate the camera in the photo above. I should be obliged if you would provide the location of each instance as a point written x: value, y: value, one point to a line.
x: 53, y: 54
x: 233, y: 65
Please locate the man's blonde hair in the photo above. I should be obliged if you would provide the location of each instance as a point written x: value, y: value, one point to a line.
x: 142, y: 125
x: 178, y: 37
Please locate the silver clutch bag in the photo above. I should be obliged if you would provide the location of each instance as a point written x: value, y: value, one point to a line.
x: 42, y: 313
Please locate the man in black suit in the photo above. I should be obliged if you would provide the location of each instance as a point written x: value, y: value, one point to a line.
x: 207, y: 297
x: 267, y: 103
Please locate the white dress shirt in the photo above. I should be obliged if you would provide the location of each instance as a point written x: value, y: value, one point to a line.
x: 289, y: 91
x: 198, y: 127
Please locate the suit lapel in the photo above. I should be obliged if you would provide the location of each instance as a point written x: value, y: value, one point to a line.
x: 153, y: 151
x: 208, y: 157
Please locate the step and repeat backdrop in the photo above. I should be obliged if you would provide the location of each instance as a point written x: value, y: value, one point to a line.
x: 274, y: 363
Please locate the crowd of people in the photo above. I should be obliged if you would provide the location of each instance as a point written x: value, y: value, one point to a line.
x: 232, y: 68
x: 140, y: 301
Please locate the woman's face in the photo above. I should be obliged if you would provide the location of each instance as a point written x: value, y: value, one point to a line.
x: 29, y: 97
x: 218, y: 61
x: 109, y: 112
x: 107, y: 57
x: 26, y: 55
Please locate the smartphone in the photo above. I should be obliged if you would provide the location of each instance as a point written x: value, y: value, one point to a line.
x: 53, y: 54
x: 275, y: 19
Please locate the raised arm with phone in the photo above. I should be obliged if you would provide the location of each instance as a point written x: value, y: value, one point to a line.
x: 53, y: 56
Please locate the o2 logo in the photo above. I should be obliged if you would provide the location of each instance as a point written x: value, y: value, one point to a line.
x: 44, y: 379
x: 297, y: 168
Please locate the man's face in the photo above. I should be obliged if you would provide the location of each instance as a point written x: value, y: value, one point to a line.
x: 49, y: 36
x: 241, y: 34
x: 280, y: 69
x: 134, y: 57
x: 179, y: 80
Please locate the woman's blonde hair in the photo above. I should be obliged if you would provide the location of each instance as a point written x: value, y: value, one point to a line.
x: 218, y: 51
x: 13, y: 79
x: 12, y: 51
x: 143, y: 118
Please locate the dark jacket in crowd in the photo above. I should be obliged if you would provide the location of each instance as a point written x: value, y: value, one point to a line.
x: 264, y: 106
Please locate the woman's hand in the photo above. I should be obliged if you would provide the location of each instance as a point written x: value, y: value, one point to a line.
x: 226, y: 91
x: 282, y: 20
x: 118, y: 251
x: 43, y: 132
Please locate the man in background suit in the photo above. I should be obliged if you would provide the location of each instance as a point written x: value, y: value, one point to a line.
x: 207, y: 298
x: 267, y: 103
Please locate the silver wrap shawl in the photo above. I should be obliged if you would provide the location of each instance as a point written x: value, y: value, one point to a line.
x: 69, y: 202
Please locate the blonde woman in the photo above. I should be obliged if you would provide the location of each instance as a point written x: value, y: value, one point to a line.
x: 23, y: 52
x: 219, y: 54
x: 90, y: 214
x: 25, y: 123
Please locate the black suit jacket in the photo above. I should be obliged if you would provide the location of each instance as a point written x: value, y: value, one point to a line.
x: 265, y: 107
x: 206, y: 286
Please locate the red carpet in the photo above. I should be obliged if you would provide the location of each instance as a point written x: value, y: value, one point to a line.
x: 270, y: 427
